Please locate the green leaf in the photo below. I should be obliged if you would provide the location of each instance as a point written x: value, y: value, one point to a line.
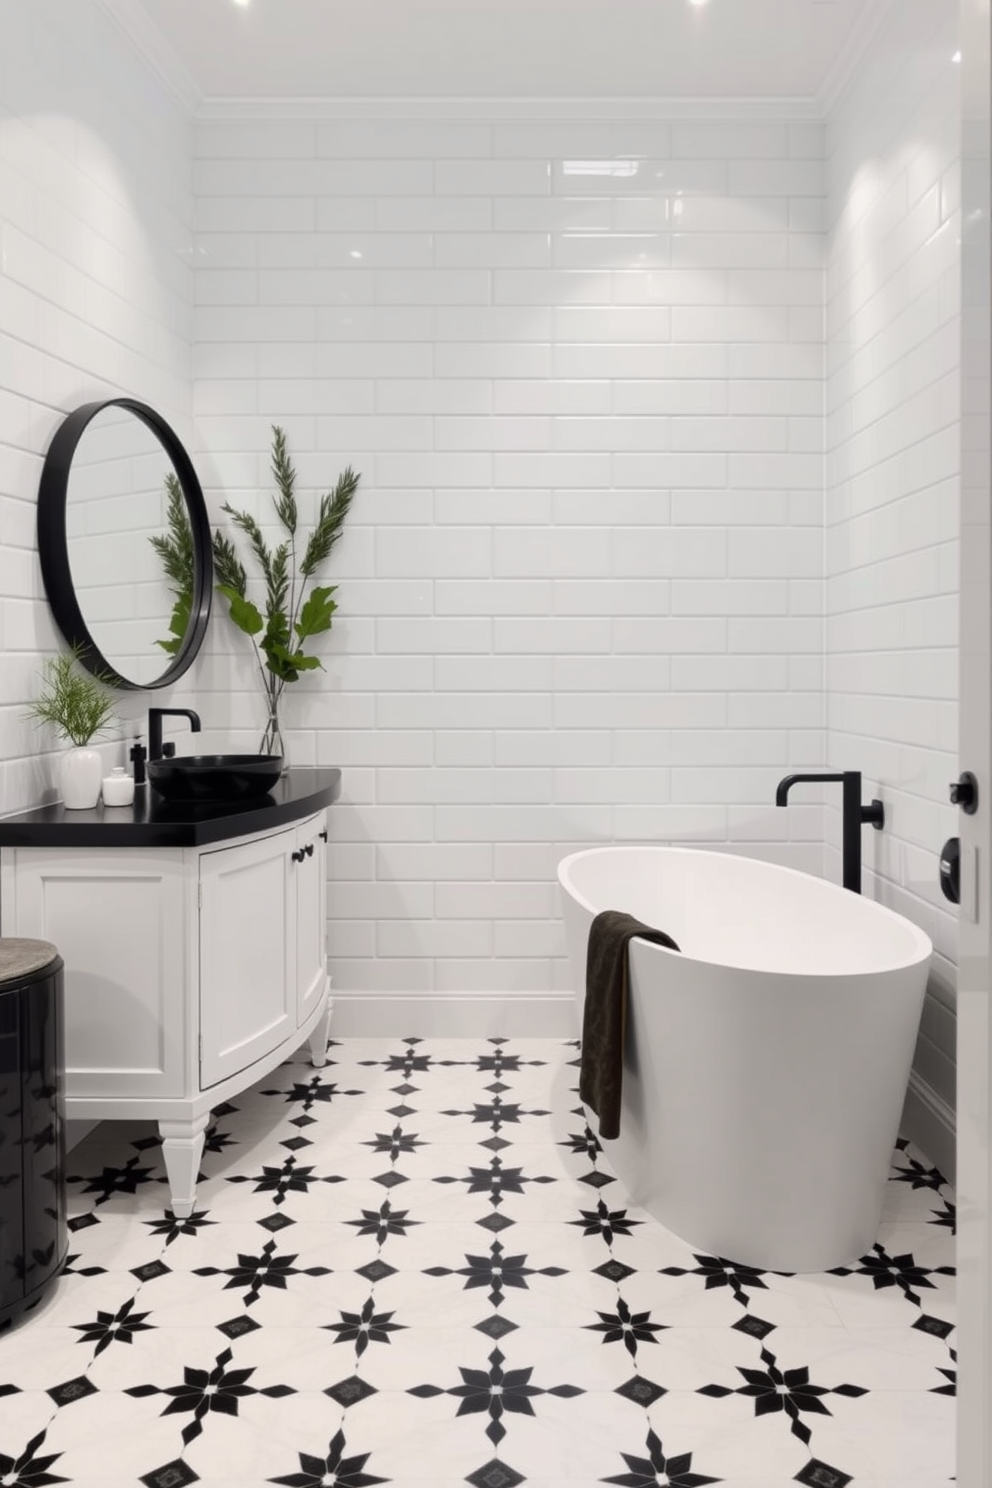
x: 285, y: 478
x: 177, y: 624
x: 315, y: 616
x: 246, y: 616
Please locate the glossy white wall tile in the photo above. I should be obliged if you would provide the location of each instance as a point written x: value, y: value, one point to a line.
x: 893, y: 247
x: 580, y: 367
x: 96, y: 293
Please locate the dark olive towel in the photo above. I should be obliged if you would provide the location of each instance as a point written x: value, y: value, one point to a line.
x: 604, y: 1019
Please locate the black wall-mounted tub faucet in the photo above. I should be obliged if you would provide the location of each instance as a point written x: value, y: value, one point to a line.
x: 155, y: 716
x: 854, y: 816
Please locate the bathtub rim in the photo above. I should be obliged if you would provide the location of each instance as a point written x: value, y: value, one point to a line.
x: 924, y: 944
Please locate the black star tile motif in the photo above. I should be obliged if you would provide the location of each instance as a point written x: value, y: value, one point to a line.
x: 265, y: 1270
x: 29, y: 1470
x: 287, y: 1178
x: 113, y: 1327
x: 626, y: 1327
x: 335, y: 1468
x: 916, y: 1175
x: 495, y: 1180
x: 172, y: 1228
x: 646, y: 1472
x: 773, y: 1389
x: 716, y: 1271
x: 609, y: 1223
x: 363, y: 1328
x: 494, y: 1393
x: 894, y: 1271
x: 112, y: 1181
x: 403, y: 1282
x: 219, y: 1389
x: 496, y: 1271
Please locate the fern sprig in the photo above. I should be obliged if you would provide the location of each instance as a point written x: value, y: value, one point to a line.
x: 333, y: 510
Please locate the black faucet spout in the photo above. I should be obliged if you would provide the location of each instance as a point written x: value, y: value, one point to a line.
x: 155, y: 716
x: 853, y: 812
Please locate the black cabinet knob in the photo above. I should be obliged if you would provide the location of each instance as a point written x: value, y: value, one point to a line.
x: 964, y: 793
x: 950, y: 869
x: 298, y: 855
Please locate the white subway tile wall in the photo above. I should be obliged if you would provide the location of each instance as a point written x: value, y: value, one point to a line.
x: 96, y: 300
x: 580, y: 368
x: 892, y: 432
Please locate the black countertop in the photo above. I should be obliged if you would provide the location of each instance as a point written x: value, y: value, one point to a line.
x: 154, y: 822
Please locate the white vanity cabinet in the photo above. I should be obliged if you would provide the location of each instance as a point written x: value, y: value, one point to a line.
x: 191, y: 971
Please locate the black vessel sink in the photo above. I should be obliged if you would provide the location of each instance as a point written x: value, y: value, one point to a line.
x: 214, y: 777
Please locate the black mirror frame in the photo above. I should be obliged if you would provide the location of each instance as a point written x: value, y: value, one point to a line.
x: 53, y: 548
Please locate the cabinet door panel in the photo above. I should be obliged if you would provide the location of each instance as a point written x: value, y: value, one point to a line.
x: 311, y: 914
x: 118, y: 921
x: 247, y: 954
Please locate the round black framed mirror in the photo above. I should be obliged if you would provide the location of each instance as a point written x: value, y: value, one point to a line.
x: 124, y: 542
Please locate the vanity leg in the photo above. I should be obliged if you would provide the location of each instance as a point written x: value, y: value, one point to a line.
x: 320, y: 1035
x: 182, y: 1148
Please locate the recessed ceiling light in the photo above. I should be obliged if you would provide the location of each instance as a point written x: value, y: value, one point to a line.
x: 956, y: 57
x: 698, y: 2
x: 242, y: 2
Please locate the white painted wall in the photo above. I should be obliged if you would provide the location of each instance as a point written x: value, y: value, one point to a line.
x: 579, y: 366
x: 95, y: 298
x: 892, y: 476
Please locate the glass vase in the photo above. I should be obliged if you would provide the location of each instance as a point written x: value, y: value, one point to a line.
x: 273, y: 739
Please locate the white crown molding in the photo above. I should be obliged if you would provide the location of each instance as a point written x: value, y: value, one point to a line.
x: 860, y: 38
x: 509, y: 108
x: 146, y: 39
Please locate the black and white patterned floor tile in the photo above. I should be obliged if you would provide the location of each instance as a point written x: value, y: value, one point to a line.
x: 415, y: 1266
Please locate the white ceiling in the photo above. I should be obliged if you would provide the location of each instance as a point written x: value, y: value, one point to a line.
x: 759, y: 49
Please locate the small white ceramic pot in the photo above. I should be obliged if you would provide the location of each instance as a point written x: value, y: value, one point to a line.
x: 80, y: 776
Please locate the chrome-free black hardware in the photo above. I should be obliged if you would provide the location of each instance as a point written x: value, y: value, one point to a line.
x: 322, y: 836
x: 854, y: 816
x: 309, y: 849
x: 137, y: 755
x: 964, y: 793
x: 950, y: 869
x: 298, y: 855
x: 155, y: 716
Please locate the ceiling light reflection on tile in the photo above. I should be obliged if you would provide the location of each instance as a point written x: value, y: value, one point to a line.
x: 601, y: 167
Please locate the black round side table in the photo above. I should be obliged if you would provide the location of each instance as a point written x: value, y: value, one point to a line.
x: 33, y: 1234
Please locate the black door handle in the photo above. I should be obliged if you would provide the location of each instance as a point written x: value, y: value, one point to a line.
x: 950, y: 869
x: 309, y: 849
x: 964, y: 793
x: 323, y: 835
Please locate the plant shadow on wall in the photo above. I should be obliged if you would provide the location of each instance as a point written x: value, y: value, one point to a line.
x: 296, y: 609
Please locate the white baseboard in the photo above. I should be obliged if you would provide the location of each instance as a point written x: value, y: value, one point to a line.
x: 453, y: 1015
x: 930, y: 1123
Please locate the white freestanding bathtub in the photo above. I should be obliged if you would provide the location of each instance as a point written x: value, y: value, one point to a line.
x: 766, y: 1065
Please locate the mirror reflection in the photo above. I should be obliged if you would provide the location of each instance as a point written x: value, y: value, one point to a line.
x: 130, y: 547
x: 124, y: 543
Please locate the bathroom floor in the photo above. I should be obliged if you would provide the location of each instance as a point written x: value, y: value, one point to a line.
x: 414, y: 1266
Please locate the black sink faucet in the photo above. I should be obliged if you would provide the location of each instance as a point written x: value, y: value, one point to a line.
x: 155, y: 716
x: 854, y: 815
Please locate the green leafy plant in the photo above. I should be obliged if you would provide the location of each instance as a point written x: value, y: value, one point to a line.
x: 76, y: 702
x: 175, y: 548
x: 293, y: 614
